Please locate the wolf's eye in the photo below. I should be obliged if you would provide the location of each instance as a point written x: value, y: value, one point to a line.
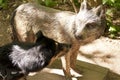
x: 90, y: 25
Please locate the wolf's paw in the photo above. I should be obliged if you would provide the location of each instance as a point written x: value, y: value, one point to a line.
x: 74, y: 73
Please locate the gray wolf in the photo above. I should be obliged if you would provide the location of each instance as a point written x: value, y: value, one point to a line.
x: 62, y: 26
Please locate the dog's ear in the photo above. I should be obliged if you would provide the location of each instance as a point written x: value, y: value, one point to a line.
x: 39, y: 36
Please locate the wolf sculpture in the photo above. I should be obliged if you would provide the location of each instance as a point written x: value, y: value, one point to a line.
x: 62, y: 26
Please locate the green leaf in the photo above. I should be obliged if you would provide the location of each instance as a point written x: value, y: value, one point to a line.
x: 112, y: 35
x: 3, y: 3
x: 109, y: 11
x: 112, y: 29
x: 50, y: 3
x: 113, y: 1
x: 105, y: 1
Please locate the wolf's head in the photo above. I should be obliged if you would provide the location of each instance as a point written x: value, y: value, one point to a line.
x: 90, y: 23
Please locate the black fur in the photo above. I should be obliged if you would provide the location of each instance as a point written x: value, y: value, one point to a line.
x: 29, y: 57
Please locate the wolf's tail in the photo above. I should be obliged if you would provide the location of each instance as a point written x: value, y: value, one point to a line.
x: 14, y: 36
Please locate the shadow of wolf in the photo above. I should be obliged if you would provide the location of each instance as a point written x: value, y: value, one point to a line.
x: 62, y: 26
x: 21, y: 58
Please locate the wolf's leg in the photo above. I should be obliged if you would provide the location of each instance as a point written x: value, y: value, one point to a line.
x: 70, y: 74
x: 66, y: 66
x: 73, y: 59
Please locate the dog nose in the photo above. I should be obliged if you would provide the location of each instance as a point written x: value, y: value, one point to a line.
x: 79, y: 37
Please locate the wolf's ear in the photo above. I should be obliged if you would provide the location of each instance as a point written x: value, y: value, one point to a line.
x: 99, y: 11
x: 85, y: 6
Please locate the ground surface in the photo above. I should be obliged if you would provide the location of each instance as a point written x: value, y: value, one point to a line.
x: 89, y: 72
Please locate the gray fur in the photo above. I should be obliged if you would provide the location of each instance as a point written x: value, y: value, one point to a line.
x: 27, y: 58
x: 62, y: 26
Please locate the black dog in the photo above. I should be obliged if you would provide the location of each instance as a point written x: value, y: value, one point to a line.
x: 30, y: 57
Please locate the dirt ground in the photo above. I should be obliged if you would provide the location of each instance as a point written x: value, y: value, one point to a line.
x: 89, y: 71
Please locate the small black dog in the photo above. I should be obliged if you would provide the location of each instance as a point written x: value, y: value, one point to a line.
x: 30, y: 57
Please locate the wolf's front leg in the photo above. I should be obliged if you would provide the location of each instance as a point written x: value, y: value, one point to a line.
x: 66, y: 66
x: 69, y: 73
x: 69, y: 62
x: 73, y: 55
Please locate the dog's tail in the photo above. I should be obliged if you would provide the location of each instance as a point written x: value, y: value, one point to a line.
x: 14, y: 36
